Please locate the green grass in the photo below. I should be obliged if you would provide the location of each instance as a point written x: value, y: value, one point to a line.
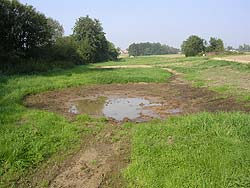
x: 208, y: 150
x: 14, y: 88
x: 204, y: 64
x: 150, y: 60
x: 224, y: 77
x: 28, y: 136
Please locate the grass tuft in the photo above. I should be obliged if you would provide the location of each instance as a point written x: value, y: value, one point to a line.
x: 206, y: 150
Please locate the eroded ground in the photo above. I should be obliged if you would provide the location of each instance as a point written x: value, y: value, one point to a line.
x: 93, y: 165
x: 98, y: 163
x: 175, y: 97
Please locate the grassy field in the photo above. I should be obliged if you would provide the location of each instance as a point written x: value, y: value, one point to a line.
x: 202, y: 150
x: 225, y: 77
x: 240, y: 58
x: 29, y: 137
x: 151, y: 60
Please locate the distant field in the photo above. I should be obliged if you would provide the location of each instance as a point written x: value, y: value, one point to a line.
x: 226, y: 77
x: 240, y: 59
x: 168, y: 55
x: 151, y: 60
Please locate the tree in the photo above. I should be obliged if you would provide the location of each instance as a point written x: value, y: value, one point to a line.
x: 229, y: 48
x: 65, y: 49
x: 27, y: 36
x: 22, y: 29
x: 93, y: 45
x: 150, y: 49
x: 56, y: 29
x: 244, y: 48
x: 113, y: 52
x: 193, y: 46
x: 215, y: 45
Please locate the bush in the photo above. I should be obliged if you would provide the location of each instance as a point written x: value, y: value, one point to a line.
x: 32, y: 66
x: 64, y: 49
x: 193, y: 46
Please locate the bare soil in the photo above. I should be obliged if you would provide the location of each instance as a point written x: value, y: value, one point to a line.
x: 98, y: 163
x: 94, y: 164
x: 176, y: 94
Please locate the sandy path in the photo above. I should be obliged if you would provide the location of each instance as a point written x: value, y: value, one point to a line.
x: 239, y: 59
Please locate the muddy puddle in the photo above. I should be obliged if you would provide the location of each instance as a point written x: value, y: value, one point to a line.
x: 117, y: 108
x: 134, y: 101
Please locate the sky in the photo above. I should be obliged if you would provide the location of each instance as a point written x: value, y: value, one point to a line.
x: 166, y: 21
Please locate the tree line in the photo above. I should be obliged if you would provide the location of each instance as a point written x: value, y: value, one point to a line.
x: 30, y: 41
x: 244, y: 48
x: 195, y: 45
x: 148, y: 48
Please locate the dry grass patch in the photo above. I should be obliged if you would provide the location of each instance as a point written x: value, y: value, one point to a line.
x: 240, y: 58
x: 226, y: 76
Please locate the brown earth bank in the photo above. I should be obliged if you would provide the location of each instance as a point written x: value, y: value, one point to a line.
x: 175, y: 97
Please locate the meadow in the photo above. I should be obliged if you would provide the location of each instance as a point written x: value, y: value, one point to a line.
x: 202, y: 150
x: 193, y: 150
x: 28, y: 136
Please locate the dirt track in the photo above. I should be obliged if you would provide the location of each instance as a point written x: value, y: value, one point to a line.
x: 240, y: 59
x: 95, y: 164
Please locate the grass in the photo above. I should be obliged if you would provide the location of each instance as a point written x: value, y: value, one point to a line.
x: 207, y: 150
x: 150, y: 60
x: 29, y: 137
x: 14, y: 88
x: 227, y: 78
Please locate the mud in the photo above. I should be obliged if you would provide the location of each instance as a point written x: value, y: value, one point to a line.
x: 91, y: 167
x: 176, y: 97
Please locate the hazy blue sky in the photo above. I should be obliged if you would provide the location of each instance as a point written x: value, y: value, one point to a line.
x: 166, y: 21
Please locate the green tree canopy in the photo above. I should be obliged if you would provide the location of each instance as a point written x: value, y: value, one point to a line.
x: 93, y: 45
x: 22, y: 28
x: 112, y: 51
x: 150, y: 49
x: 215, y: 45
x: 57, y: 30
x: 27, y: 35
x: 244, y: 48
x: 193, y: 46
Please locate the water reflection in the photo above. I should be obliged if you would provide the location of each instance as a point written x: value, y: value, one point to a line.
x: 115, y: 107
